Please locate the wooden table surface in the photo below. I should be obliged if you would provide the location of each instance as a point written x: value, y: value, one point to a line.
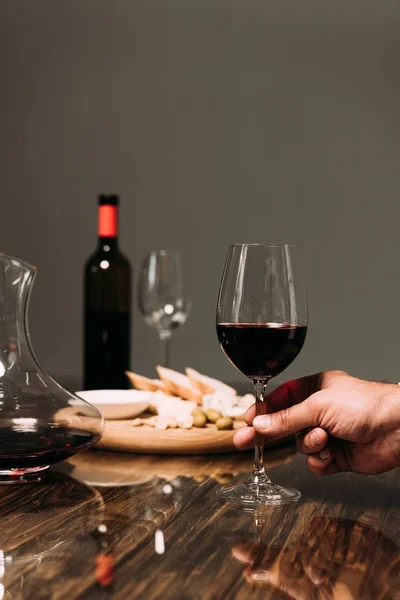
x: 168, y: 535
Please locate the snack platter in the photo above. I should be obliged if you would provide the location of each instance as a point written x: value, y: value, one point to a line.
x: 184, y: 414
x: 188, y: 414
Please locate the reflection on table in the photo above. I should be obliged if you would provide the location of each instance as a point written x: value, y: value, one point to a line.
x: 129, y: 526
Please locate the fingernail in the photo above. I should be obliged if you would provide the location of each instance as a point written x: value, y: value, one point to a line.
x: 314, y: 574
x: 315, y: 439
x: 263, y: 422
x: 324, y: 454
x: 316, y: 578
x: 317, y: 581
x: 261, y: 576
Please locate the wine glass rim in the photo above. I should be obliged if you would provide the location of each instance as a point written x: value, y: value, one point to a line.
x: 162, y: 251
x: 261, y: 245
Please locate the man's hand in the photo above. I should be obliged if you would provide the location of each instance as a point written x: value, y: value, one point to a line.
x: 344, y: 423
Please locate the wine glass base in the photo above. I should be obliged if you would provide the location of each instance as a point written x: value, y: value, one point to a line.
x: 250, y: 495
x: 18, y: 476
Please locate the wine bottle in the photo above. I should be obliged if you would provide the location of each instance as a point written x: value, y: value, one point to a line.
x: 107, y: 306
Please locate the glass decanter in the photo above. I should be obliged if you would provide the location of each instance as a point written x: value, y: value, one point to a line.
x: 40, y: 422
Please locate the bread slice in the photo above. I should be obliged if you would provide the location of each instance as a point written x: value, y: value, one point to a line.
x: 144, y: 383
x: 208, y: 385
x: 179, y: 385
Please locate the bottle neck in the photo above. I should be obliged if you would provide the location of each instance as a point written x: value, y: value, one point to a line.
x: 108, y: 227
x: 108, y: 244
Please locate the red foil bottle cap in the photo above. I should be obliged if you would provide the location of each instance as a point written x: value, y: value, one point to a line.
x: 108, y: 216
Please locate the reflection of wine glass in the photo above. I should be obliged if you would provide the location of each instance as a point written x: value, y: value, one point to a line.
x: 261, y: 326
x: 161, y: 295
x: 330, y: 555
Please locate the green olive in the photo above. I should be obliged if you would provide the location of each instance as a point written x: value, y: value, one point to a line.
x: 198, y: 411
x: 213, y: 415
x: 224, y: 423
x: 199, y: 419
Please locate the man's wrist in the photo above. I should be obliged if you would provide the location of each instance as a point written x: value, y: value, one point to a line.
x: 390, y: 406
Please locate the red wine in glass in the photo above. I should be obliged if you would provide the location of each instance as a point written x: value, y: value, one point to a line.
x: 261, y: 350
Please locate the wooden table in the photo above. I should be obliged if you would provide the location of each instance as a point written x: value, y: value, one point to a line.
x: 161, y: 523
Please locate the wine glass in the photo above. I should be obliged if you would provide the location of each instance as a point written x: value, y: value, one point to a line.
x: 261, y: 327
x: 161, y: 296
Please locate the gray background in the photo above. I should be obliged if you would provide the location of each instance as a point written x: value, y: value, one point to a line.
x: 217, y: 121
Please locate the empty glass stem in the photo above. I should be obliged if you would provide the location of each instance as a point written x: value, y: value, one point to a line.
x: 165, y: 337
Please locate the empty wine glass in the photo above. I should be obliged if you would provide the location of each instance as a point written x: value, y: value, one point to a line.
x: 161, y: 295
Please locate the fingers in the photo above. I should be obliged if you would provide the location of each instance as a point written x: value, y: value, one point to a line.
x: 310, y: 442
x: 286, y: 395
x: 289, y: 420
x: 323, y: 463
x: 245, y: 552
x: 320, y: 462
x: 315, y: 575
x: 257, y: 575
x: 244, y: 438
x: 250, y: 414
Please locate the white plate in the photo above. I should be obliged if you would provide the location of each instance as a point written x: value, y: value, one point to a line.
x: 118, y: 404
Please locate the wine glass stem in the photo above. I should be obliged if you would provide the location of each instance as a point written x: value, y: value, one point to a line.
x: 259, y: 475
x: 165, y: 337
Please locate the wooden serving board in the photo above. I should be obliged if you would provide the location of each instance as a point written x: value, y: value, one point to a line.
x: 122, y: 436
